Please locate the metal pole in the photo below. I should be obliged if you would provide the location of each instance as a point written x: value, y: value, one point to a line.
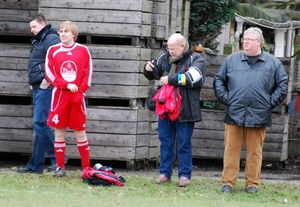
x: 289, y: 40
x: 238, y: 32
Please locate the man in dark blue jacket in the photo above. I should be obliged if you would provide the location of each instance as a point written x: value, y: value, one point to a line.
x: 250, y: 83
x: 44, y: 37
x: 179, y: 66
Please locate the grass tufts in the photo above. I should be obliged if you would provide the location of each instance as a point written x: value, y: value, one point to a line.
x: 34, y: 190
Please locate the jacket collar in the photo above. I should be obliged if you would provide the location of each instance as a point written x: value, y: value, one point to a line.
x: 48, y: 29
x: 184, y: 56
x: 262, y: 56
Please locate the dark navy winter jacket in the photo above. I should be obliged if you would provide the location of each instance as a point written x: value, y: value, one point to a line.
x: 250, y: 90
x: 41, y: 42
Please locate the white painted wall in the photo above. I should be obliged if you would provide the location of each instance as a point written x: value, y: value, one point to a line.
x: 279, y: 43
x: 224, y: 38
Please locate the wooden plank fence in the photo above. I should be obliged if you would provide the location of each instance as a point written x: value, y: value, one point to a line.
x: 122, y: 36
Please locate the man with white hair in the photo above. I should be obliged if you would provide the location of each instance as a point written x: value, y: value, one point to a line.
x: 250, y: 83
x: 184, y: 69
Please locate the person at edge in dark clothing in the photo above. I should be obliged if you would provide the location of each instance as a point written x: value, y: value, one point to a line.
x: 45, y: 35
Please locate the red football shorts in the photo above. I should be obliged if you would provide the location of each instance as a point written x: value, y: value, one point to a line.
x: 67, y: 110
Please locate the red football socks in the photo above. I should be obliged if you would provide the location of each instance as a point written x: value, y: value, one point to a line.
x: 84, y: 151
x: 60, y: 148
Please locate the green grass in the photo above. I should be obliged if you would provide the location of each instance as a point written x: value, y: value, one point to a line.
x: 44, y: 190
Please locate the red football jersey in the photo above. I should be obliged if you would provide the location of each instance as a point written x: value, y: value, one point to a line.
x: 66, y: 65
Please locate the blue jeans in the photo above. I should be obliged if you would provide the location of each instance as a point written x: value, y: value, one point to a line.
x: 167, y: 131
x: 43, y: 135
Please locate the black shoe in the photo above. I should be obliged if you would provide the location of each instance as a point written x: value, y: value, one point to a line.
x: 52, y: 167
x: 226, y: 189
x: 28, y: 170
x: 59, y: 172
x: 252, y: 189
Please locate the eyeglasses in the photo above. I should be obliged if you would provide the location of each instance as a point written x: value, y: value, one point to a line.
x: 248, y: 39
x: 171, y: 49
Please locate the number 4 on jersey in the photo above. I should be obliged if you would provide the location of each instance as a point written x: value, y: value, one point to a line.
x: 55, y: 119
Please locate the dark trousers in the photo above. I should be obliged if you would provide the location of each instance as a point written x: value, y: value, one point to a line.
x: 43, y: 135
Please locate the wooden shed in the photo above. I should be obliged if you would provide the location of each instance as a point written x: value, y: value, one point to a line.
x: 122, y: 36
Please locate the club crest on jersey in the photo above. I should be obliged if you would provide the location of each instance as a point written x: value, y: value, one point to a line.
x: 69, y: 71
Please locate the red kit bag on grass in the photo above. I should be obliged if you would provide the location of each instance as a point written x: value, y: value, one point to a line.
x: 168, y: 101
x: 101, y: 175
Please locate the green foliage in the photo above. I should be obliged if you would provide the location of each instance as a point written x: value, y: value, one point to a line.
x: 206, y: 20
x: 297, y: 53
x: 266, y: 47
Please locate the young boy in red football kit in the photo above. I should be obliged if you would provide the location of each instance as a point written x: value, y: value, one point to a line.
x: 68, y: 68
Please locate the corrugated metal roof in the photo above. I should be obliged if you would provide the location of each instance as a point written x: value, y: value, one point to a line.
x: 272, y: 15
x: 277, y: 18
